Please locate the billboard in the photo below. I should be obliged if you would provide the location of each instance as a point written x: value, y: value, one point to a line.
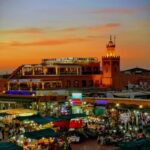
x: 101, y: 102
x: 77, y: 98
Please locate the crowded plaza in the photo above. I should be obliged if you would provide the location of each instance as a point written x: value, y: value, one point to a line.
x: 74, y: 122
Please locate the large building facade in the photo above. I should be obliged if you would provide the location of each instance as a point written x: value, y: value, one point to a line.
x: 66, y: 73
x: 3, y: 85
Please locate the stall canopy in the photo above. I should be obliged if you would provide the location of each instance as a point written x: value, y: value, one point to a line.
x: 46, y: 133
x: 68, y: 117
x: 37, y: 118
x: 143, y: 143
x: 46, y: 119
x: 99, y: 110
x: 19, y: 112
x: 9, y: 146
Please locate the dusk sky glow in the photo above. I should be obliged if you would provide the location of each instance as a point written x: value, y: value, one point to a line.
x: 31, y: 30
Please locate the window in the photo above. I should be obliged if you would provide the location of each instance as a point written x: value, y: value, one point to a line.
x: 96, y: 69
x: 47, y: 85
x: 68, y: 83
x: 24, y: 86
x: 83, y: 83
x: 90, y: 83
x: 76, y: 83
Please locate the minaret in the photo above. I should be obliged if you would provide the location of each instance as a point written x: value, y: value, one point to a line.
x: 111, y: 47
x: 110, y: 64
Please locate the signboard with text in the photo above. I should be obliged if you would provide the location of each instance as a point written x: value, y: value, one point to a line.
x: 77, y: 98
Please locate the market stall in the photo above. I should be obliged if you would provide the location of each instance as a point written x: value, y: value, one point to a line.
x: 40, y: 139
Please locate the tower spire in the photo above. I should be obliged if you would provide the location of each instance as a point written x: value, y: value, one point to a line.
x: 110, y: 37
x: 111, y: 47
x: 114, y: 40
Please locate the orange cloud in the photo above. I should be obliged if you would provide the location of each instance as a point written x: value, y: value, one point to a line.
x: 104, y: 27
x: 23, y: 31
x: 70, y: 29
x: 47, y: 42
x: 92, y: 28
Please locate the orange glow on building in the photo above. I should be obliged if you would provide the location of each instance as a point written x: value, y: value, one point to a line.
x: 73, y: 72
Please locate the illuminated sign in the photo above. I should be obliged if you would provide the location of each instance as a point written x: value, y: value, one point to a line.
x: 101, y: 102
x: 22, y: 92
x: 76, y: 98
x: 36, y: 80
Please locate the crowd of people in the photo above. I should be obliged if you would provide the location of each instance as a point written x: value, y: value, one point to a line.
x: 7, y: 131
x: 110, y: 129
x: 119, y: 126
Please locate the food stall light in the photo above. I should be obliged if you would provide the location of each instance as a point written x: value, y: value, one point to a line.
x: 112, y: 109
x: 141, y: 106
x: 84, y: 103
x: 4, y: 92
x: 114, y: 131
x: 117, y: 105
x: 145, y: 113
x: 21, y: 136
x: 29, y: 140
x: 18, y: 141
x: 136, y: 128
x: 33, y: 94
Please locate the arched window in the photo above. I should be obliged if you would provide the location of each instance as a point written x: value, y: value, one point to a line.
x: 68, y: 84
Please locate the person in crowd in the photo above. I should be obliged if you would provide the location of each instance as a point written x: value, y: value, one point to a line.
x: 98, y: 140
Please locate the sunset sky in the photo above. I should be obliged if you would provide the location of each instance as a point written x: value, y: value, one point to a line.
x: 34, y: 29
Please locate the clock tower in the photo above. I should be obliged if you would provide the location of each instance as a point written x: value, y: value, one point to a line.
x: 110, y: 65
